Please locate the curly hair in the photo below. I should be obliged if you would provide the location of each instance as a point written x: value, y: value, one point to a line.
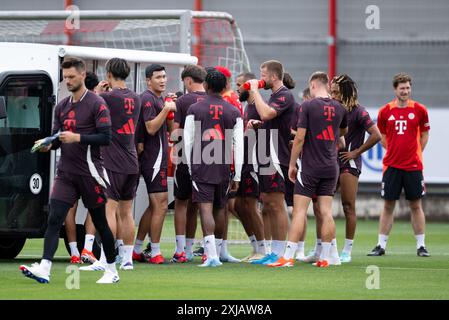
x: 348, y: 90
x: 215, y: 80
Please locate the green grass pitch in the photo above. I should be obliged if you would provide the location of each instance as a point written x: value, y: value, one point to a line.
x: 402, y: 275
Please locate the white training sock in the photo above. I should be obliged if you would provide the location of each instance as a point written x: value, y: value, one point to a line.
x: 74, y: 249
x: 268, y: 244
x: 121, y: 251
x: 180, y: 243
x: 127, y: 254
x: 111, y: 267
x: 46, y: 265
x: 253, y: 241
x: 318, y: 247
x: 300, y: 249
x: 218, y: 245
x: 325, y: 250
x: 262, y: 247
x: 155, y: 249
x: 103, y: 257
x: 274, y: 245
x: 210, y: 247
x: 138, y: 246
x: 224, y: 248
x: 334, y: 249
x: 278, y: 247
x: 290, y: 250
x: 118, y: 243
x: 189, y: 245
x: 348, y: 246
x: 382, y: 241
x: 119, y: 246
x: 89, y: 242
x: 420, y: 238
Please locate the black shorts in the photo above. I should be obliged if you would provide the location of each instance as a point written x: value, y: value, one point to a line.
x: 70, y: 187
x: 207, y: 193
x: 249, y: 185
x: 156, y: 181
x: 313, y: 186
x: 277, y: 182
x: 182, y: 185
x: 122, y: 186
x: 354, y: 171
x: 393, y: 180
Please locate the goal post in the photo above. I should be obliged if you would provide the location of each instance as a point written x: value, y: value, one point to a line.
x: 214, y: 37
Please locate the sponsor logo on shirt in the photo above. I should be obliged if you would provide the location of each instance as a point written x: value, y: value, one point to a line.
x: 329, y: 112
x: 216, y: 111
x: 327, y: 134
x: 400, y: 126
x: 129, y: 105
x: 69, y: 125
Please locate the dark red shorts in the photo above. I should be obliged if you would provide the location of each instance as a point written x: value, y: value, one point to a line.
x: 156, y: 181
x: 354, y: 171
x: 70, y: 187
x: 207, y: 193
x: 277, y: 182
x: 249, y: 185
x: 313, y: 186
x: 182, y: 185
x: 122, y: 186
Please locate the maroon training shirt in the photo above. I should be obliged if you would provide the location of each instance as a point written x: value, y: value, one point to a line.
x: 322, y: 118
x: 121, y: 155
x: 83, y: 117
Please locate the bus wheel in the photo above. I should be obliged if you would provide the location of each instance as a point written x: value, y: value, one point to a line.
x: 11, y: 247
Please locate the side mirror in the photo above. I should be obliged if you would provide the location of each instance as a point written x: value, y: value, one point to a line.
x: 3, y: 113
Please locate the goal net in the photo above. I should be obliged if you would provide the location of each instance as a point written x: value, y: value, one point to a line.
x: 213, y: 37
